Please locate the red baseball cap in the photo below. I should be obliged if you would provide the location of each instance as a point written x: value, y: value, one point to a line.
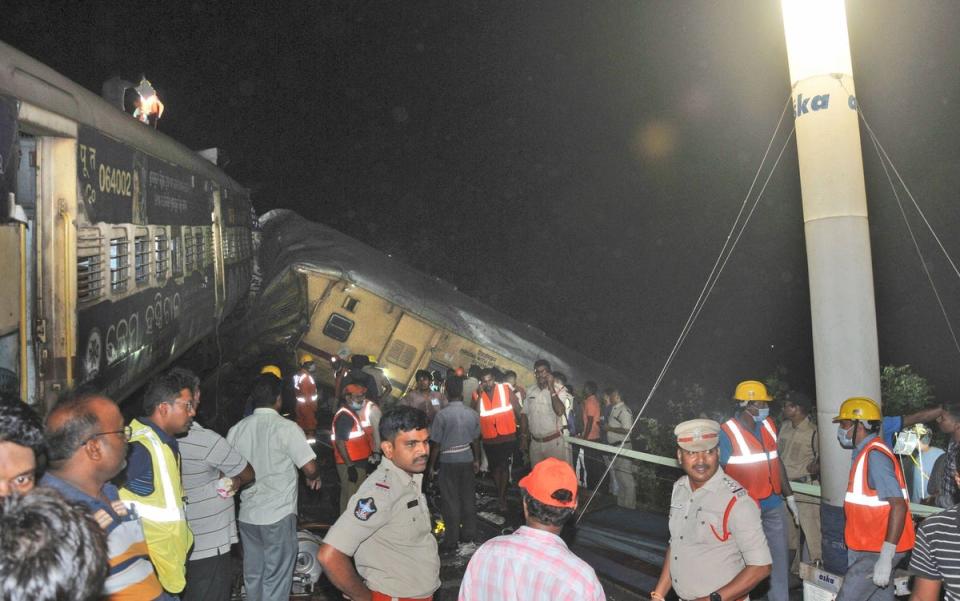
x: 547, y: 478
x: 354, y: 389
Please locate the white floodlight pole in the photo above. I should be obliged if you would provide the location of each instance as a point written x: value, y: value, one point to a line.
x: 842, y: 306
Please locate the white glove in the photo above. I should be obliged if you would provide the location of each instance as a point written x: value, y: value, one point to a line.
x: 374, y: 458
x: 792, y: 505
x: 884, y: 565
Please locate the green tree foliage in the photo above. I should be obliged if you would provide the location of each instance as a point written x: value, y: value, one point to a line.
x: 903, y: 391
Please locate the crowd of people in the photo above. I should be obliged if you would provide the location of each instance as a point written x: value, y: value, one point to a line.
x: 95, y: 507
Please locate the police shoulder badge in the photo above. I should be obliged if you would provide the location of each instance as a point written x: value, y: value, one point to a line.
x: 364, y: 509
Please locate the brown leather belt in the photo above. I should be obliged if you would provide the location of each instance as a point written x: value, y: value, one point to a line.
x: 553, y: 436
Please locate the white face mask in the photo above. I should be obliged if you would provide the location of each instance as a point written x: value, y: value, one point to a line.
x: 762, y: 414
x: 845, y: 437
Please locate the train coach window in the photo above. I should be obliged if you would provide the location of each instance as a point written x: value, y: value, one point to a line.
x: 198, y: 249
x: 141, y: 259
x: 350, y: 304
x: 119, y: 261
x: 160, y: 250
x: 175, y: 254
x: 89, y: 264
x: 191, y: 252
x: 338, y: 327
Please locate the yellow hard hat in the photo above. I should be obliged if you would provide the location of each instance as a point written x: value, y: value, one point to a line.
x: 751, y: 390
x: 373, y: 359
x: 271, y: 369
x: 306, y: 358
x: 859, y: 407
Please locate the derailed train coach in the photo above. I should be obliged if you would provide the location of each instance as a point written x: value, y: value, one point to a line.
x: 329, y: 295
x: 120, y: 247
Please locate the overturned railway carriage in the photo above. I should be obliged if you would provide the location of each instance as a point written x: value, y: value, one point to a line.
x: 332, y: 296
x: 123, y: 248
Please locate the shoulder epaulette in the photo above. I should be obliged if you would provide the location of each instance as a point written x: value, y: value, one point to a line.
x: 735, y: 488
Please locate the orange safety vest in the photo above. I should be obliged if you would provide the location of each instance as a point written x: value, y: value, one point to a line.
x: 496, y: 414
x: 306, y: 391
x: 754, y: 463
x: 358, y: 445
x: 365, y: 423
x: 866, y: 512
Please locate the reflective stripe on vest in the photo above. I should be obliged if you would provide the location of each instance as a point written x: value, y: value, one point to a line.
x: 171, y: 511
x: 866, y: 513
x: 358, y: 443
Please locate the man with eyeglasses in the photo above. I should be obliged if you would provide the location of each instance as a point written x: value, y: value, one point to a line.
x: 88, y: 448
x: 717, y: 549
x: 153, y: 485
x: 23, y: 448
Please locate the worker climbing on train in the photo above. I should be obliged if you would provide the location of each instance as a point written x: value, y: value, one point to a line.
x: 351, y: 445
x: 305, y: 389
x: 878, y: 530
x: 149, y: 108
x: 748, y: 454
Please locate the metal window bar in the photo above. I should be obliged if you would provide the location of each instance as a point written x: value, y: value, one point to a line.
x: 119, y: 264
x: 161, y: 251
x: 141, y: 259
x: 89, y: 265
x: 208, y: 246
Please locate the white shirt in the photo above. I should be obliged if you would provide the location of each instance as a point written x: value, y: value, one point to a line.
x: 276, y: 447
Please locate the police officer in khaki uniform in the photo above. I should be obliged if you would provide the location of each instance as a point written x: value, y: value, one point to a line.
x: 717, y: 548
x: 386, y: 528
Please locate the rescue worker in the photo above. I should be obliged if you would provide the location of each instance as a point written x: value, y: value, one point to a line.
x: 879, y: 529
x: 499, y: 412
x: 748, y: 453
x: 305, y: 389
x: 717, y: 550
x: 356, y: 375
x: 351, y: 445
x: 387, y: 530
x: 544, y: 415
x: 148, y: 109
x: 153, y: 486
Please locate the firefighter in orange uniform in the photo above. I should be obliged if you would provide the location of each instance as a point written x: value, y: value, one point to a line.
x: 499, y: 412
x: 748, y: 454
x: 351, y: 445
x: 305, y: 388
x: 878, y: 529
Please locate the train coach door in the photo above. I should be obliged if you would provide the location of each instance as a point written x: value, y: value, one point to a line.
x: 410, y: 346
x: 218, y: 259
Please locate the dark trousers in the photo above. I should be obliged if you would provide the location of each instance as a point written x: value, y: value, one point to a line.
x: 209, y: 579
x: 457, y: 503
x: 595, y: 466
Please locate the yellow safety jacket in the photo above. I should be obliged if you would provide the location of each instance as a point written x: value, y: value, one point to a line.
x: 164, y: 522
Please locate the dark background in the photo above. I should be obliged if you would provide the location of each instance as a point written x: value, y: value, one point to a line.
x: 574, y: 164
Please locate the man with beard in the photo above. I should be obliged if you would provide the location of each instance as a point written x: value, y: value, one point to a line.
x: 88, y: 447
x: 153, y: 484
x: 717, y: 548
x: 387, y: 528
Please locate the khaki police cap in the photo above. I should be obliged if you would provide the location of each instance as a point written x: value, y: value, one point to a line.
x: 697, y: 434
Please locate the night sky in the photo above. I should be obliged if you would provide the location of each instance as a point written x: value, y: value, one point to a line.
x: 573, y: 164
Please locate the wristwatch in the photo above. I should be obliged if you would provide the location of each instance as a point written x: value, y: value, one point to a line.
x: 715, y: 596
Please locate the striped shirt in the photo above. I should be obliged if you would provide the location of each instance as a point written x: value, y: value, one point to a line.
x: 131, y: 576
x: 204, y: 455
x: 936, y: 555
x: 532, y: 565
